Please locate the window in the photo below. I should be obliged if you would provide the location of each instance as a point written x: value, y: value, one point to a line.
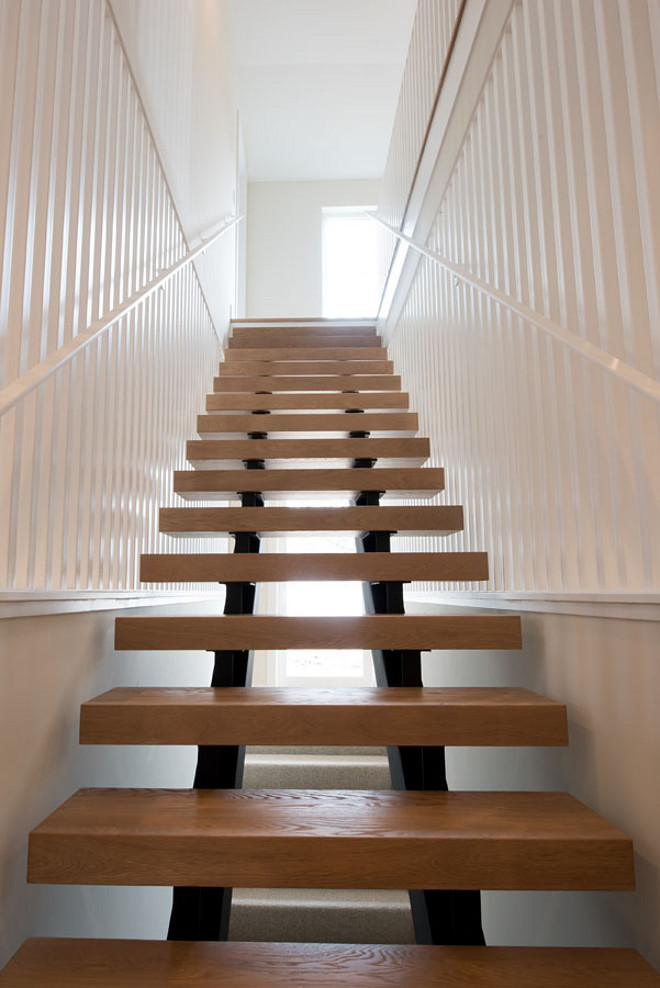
x: 351, y: 283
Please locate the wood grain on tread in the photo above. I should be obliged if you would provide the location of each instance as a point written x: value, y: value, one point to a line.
x: 416, y: 520
x: 275, y: 567
x: 381, y: 631
x: 300, y: 339
x: 365, y: 716
x: 329, y: 382
x: 243, y: 332
x: 243, y: 401
x: 295, y: 838
x: 79, y: 963
x: 310, y: 320
x: 256, y: 368
x: 320, y: 352
x: 399, y: 450
x: 203, y: 484
x: 391, y: 423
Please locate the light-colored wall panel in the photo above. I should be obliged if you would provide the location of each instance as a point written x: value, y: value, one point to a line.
x: 551, y: 204
x: 86, y: 221
x: 48, y: 666
x: 606, y: 671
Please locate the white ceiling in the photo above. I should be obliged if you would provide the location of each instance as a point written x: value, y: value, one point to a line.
x: 318, y: 82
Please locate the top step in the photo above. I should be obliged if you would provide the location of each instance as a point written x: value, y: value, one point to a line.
x: 307, y: 353
x: 243, y: 332
x: 288, y: 338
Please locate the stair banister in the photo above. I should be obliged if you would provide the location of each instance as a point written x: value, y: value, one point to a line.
x: 635, y: 379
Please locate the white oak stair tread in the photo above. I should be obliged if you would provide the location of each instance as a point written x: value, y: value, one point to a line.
x: 80, y: 963
x: 245, y: 401
x: 320, y: 352
x: 413, y: 520
x: 203, y: 484
x: 340, y: 423
x: 313, y: 321
x: 329, y: 839
x: 347, y: 329
x: 380, y: 631
x: 368, y: 716
x: 258, y: 368
x: 389, y: 452
x: 314, y: 383
x: 278, y: 567
x: 301, y: 340
x: 262, y: 334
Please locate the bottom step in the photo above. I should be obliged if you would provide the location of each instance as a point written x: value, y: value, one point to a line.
x: 156, y: 964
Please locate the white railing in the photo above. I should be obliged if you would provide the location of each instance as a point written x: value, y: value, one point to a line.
x: 107, y: 346
x: 431, y: 42
x: 549, y: 219
x: 436, y: 22
x: 634, y: 378
x: 19, y: 389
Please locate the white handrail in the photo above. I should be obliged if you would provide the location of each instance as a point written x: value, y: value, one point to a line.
x: 13, y: 393
x: 646, y: 385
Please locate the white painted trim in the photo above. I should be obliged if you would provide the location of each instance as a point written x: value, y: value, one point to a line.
x: 24, y: 604
x: 622, y: 606
x: 22, y: 386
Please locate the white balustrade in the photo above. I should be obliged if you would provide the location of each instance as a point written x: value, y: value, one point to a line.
x: 552, y: 204
x: 87, y: 222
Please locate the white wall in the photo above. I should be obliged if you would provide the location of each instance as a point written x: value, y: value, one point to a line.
x: 540, y: 185
x: 86, y: 221
x: 606, y: 671
x: 284, y: 242
x: 48, y: 666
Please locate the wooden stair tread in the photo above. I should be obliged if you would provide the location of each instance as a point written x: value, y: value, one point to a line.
x: 314, y: 383
x: 301, y: 340
x: 329, y: 839
x: 323, y: 321
x: 203, y: 484
x: 81, y: 963
x: 320, y: 352
x: 257, y: 368
x: 390, y: 423
x: 245, y: 332
x: 381, y: 631
x: 275, y: 567
x: 354, y: 717
x: 395, y: 452
x: 414, y: 520
x: 245, y: 401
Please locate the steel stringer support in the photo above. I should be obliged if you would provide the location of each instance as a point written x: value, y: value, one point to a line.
x: 440, y: 916
x: 200, y: 913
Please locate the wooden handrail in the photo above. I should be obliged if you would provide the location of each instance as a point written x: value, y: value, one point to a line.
x: 635, y: 379
x: 13, y: 393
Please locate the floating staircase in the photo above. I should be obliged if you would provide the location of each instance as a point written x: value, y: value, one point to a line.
x: 320, y: 392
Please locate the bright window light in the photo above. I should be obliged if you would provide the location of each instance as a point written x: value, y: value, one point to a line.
x: 351, y: 283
